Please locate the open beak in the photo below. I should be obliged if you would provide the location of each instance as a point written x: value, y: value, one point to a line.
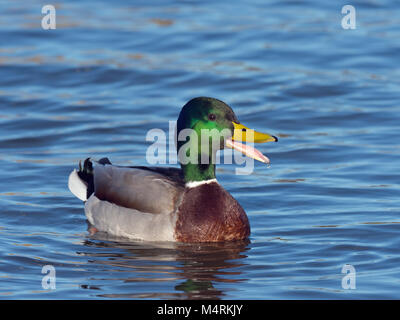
x: 242, y: 133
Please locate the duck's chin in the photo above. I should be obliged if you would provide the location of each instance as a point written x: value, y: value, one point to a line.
x: 247, y: 150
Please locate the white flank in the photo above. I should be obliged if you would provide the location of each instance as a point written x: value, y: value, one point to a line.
x: 130, y: 223
x: 194, y: 184
x: 77, y: 186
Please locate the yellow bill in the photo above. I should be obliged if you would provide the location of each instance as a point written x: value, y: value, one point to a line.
x: 242, y: 133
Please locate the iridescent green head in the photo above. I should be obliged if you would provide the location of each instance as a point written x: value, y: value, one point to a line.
x: 206, y: 125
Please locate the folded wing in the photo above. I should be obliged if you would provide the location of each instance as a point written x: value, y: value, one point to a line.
x: 142, y: 189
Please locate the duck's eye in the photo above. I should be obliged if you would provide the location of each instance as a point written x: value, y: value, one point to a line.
x: 212, y: 117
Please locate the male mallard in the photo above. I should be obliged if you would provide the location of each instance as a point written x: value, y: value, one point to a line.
x: 171, y: 204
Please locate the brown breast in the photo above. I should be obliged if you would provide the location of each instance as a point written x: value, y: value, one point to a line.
x: 208, y: 213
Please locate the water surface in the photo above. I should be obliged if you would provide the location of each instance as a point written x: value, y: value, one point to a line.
x: 112, y: 71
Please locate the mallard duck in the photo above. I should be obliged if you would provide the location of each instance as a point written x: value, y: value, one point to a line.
x: 184, y: 204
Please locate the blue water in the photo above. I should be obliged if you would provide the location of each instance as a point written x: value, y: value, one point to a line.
x: 113, y: 70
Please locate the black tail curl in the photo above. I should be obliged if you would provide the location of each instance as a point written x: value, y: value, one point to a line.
x: 86, y: 173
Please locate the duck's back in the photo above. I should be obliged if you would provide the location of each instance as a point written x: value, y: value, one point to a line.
x: 209, y: 213
x: 137, y: 188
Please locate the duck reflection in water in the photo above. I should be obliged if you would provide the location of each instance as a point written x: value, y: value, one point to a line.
x: 197, y: 269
